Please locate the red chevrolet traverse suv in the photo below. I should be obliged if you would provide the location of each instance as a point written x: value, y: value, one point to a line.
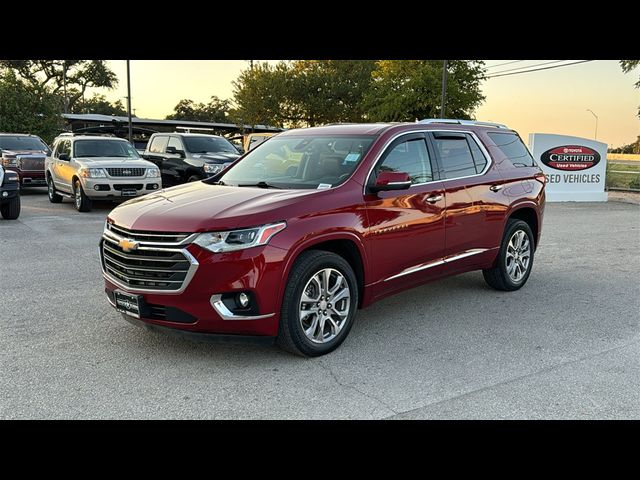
x: 315, y: 223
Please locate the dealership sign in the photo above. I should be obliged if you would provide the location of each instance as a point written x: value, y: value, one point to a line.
x: 574, y: 167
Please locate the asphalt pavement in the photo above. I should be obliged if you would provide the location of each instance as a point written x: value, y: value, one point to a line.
x: 567, y: 345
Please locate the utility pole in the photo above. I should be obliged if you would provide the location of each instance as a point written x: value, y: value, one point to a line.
x: 64, y: 86
x: 129, y: 103
x: 595, y: 137
x: 443, y: 113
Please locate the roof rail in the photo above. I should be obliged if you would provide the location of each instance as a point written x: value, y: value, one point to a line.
x: 86, y: 134
x: 463, y: 122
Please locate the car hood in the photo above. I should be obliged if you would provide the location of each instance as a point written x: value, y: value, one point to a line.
x: 114, y: 162
x: 15, y: 153
x: 218, y: 157
x: 201, y: 207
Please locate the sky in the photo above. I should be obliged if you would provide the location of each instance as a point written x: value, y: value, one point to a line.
x: 548, y: 101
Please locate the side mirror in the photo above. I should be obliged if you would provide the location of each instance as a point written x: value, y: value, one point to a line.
x: 64, y: 156
x: 386, y: 181
x: 175, y: 151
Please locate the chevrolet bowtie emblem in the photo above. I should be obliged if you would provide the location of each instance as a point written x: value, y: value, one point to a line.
x: 127, y: 245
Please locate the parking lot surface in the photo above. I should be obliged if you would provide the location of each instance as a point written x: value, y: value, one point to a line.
x: 564, y: 346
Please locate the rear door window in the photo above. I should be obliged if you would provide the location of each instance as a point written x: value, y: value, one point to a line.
x: 514, y: 149
x: 459, y: 154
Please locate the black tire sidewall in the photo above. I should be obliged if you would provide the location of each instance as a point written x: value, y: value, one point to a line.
x: 512, y: 227
x: 303, y: 344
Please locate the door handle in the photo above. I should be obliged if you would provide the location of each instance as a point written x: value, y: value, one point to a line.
x: 434, y: 198
x: 495, y: 188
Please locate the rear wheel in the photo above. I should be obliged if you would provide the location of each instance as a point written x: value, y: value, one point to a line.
x: 11, y: 210
x: 515, y: 258
x: 83, y: 203
x: 319, y: 304
x: 54, y: 197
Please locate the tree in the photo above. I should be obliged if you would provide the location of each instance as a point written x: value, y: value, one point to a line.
x: 53, y: 75
x: 314, y: 92
x: 406, y: 90
x: 99, y: 104
x: 216, y: 111
x: 627, y: 66
x: 24, y: 109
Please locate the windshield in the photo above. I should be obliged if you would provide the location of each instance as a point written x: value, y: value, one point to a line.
x: 300, y: 162
x: 104, y: 148
x: 21, y: 143
x: 208, y: 144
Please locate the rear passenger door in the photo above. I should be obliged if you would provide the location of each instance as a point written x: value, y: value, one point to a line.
x: 474, y: 212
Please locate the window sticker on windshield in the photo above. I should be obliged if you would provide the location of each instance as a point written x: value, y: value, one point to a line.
x: 351, y: 158
x: 324, y: 186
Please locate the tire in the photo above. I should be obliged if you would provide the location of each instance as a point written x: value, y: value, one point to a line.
x: 504, y: 276
x: 302, y: 279
x: 193, y: 178
x: 11, y: 210
x: 54, y: 197
x: 82, y: 202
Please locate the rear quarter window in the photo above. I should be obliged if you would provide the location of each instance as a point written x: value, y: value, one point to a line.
x: 514, y: 149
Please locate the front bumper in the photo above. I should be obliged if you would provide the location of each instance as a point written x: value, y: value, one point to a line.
x: 111, y: 188
x: 9, y: 191
x: 257, y: 270
x: 30, y: 178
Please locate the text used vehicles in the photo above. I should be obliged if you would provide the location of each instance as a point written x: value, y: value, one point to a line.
x: 25, y: 155
x: 188, y: 157
x: 88, y: 168
x: 9, y: 194
x: 370, y: 210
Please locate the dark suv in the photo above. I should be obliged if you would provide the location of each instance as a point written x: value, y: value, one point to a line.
x: 292, y: 239
x: 188, y: 157
x: 24, y: 154
x: 9, y: 194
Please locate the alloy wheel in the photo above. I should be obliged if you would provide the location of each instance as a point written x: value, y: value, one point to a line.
x: 518, y: 255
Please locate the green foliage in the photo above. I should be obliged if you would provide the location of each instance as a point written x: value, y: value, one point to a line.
x: 52, y: 75
x: 24, y: 109
x: 99, y: 104
x: 215, y: 111
x: 313, y: 92
x: 627, y: 66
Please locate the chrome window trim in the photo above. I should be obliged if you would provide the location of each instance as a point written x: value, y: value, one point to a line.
x: 226, y: 314
x: 481, y: 146
x: 435, y: 263
x: 115, y: 238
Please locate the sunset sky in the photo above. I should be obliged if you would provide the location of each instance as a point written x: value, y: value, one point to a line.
x: 550, y: 101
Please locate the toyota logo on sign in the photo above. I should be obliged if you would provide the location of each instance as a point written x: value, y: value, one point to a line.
x: 570, y: 157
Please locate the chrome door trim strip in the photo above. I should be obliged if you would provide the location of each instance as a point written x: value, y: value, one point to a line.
x: 435, y: 263
x: 226, y: 314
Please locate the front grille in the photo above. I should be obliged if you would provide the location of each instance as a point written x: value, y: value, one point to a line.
x: 31, y: 164
x: 145, y: 269
x: 123, y: 186
x: 126, y: 172
x: 148, y: 236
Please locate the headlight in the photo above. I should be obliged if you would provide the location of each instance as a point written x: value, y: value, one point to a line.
x: 213, y: 167
x: 239, y: 239
x: 153, y: 172
x: 92, y: 173
x: 10, y: 162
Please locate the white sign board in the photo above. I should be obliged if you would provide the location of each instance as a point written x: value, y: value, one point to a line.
x: 574, y: 167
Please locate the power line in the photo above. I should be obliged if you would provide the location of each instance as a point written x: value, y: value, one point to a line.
x: 538, y: 69
x: 527, y: 66
x: 501, y: 64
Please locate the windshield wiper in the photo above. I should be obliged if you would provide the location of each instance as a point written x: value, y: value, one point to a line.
x: 260, y: 185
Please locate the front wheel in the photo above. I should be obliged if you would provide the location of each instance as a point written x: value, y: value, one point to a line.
x: 319, y: 304
x: 515, y: 258
x: 83, y: 203
x: 54, y: 197
x: 11, y: 210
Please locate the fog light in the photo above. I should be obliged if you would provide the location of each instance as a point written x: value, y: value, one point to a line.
x: 96, y: 187
x: 243, y: 300
x: 4, y: 194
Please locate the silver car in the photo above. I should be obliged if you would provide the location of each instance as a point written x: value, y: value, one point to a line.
x: 88, y: 168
